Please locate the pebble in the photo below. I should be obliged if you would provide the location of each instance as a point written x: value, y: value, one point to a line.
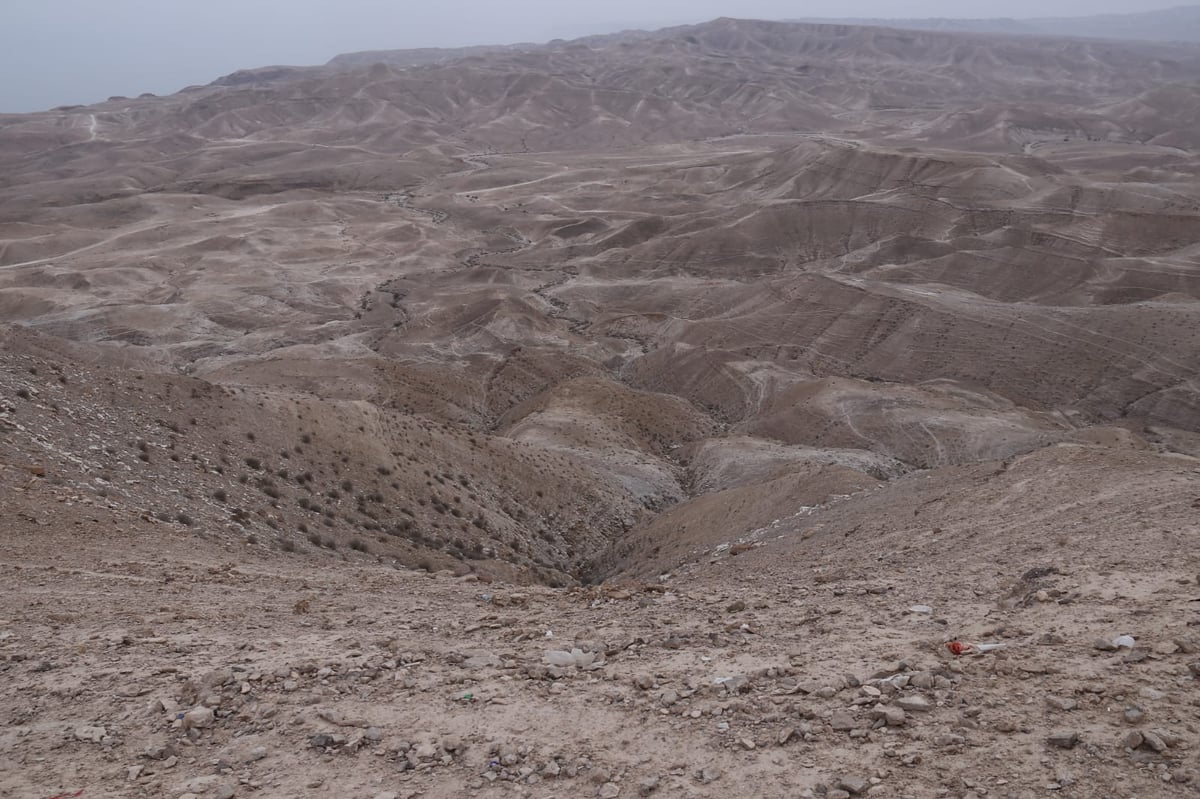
x: 854, y: 785
x: 1061, y: 703
x: 709, y: 775
x: 739, y: 684
x: 648, y: 786
x: 1063, y: 739
x: 644, y: 681
x: 922, y: 679
x: 483, y: 660
x: 1154, y: 740
x: 224, y: 792
x: 1131, y: 739
x: 1134, y: 715
x: 198, y: 718
x: 915, y: 703
x: 609, y: 790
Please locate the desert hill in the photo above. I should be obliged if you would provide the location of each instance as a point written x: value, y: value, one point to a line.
x: 333, y: 397
x: 1178, y: 24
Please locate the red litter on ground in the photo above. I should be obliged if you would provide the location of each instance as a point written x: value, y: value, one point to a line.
x: 959, y: 648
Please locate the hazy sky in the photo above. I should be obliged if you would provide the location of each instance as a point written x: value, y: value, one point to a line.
x: 55, y: 52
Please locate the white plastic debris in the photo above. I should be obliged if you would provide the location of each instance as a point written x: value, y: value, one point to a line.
x: 1124, y: 642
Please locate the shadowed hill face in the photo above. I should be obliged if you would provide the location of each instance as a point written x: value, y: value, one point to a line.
x: 543, y: 307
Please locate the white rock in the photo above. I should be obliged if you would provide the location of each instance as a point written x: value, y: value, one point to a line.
x: 198, y: 718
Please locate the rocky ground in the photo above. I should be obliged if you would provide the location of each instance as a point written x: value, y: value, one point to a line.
x: 159, y: 661
x: 640, y: 416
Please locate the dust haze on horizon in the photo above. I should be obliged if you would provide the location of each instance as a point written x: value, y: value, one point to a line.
x: 58, y: 52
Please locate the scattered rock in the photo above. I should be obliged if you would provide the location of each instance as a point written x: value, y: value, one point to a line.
x: 609, y: 790
x: 843, y: 720
x: 483, y: 660
x: 854, y: 785
x: 1063, y: 739
x: 1131, y: 740
x: 1155, y: 741
x: 321, y: 740
x: 739, y: 684
x: 891, y: 715
x: 1061, y: 703
x: 199, y: 718
x: 915, y: 703
x: 923, y: 680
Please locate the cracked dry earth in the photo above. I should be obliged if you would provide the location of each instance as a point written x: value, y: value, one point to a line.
x: 162, y: 662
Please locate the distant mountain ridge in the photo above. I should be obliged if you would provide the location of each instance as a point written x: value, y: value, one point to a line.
x: 1179, y: 24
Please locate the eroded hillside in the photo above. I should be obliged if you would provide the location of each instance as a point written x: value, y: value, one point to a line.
x: 741, y: 365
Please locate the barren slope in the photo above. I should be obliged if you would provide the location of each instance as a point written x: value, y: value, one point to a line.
x: 324, y: 393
